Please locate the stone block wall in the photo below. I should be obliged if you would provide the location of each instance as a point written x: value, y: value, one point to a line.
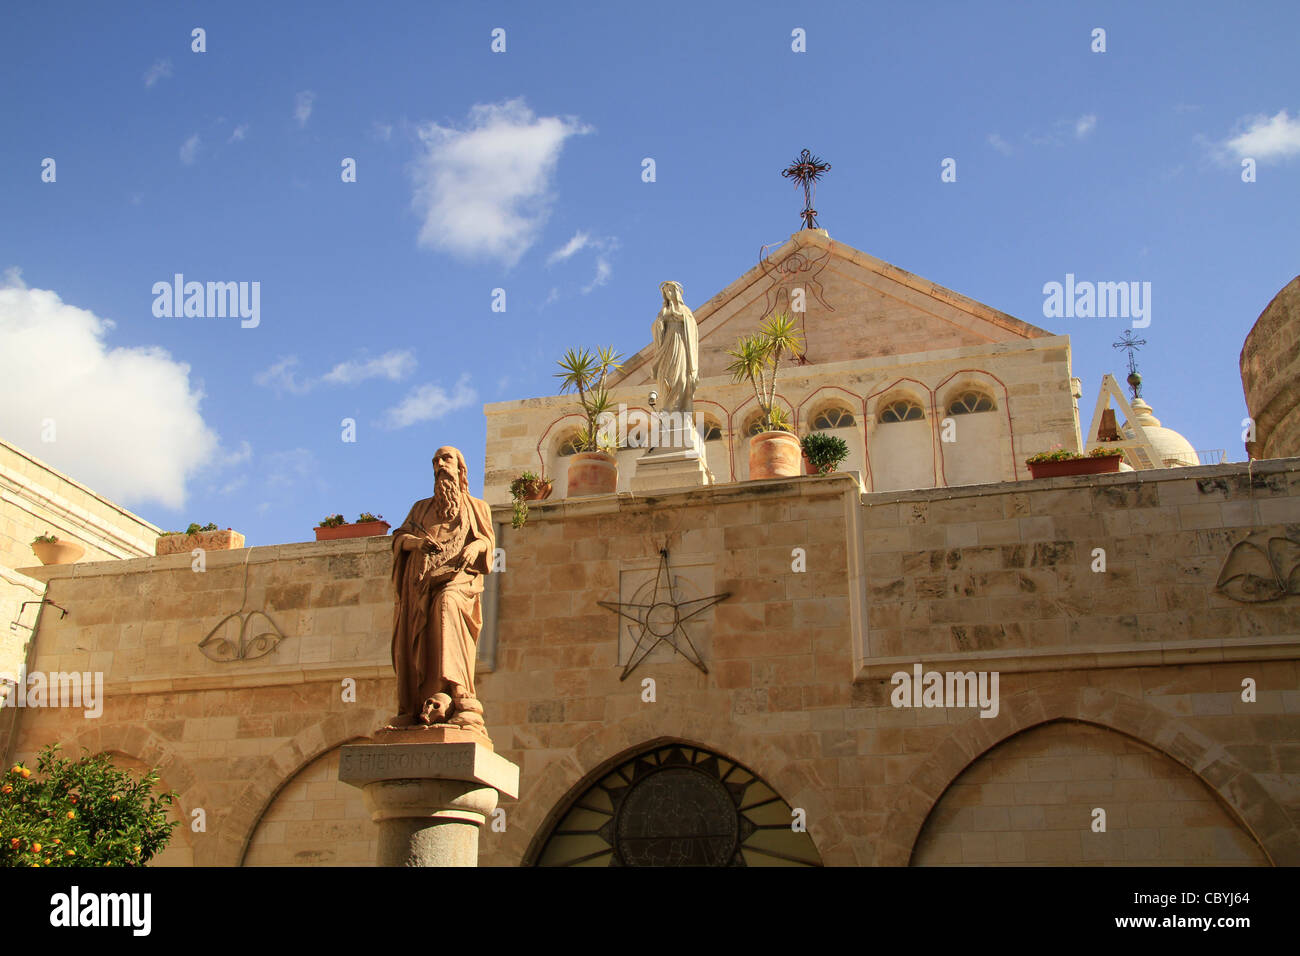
x: 1029, y: 381
x: 1270, y: 376
x: 1120, y: 690
x: 37, y: 499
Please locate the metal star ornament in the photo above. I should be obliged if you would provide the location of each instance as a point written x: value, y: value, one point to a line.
x: 661, y: 620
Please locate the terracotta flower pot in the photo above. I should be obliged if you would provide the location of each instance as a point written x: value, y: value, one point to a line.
x: 774, y: 454
x: 808, y: 468
x: 361, y: 529
x: 592, y: 473
x: 58, y: 552
x: 1075, y: 466
x: 207, y: 540
x: 538, y: 490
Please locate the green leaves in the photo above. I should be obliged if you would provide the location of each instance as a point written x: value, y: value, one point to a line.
x: 824, y: 452
x: 585, y: 372
x: 80, y: 813
x: 758, y: 359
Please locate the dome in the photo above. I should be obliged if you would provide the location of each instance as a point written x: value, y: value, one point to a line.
x: 1172, y: 449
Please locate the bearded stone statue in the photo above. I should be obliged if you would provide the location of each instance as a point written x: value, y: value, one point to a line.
x: 677, y: 363
x: 440, y: 554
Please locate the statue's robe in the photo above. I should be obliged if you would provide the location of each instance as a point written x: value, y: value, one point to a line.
x: 438, y: 614
x: 676, y: 353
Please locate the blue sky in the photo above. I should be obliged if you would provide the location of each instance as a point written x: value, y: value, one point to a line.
x: 522, y: 170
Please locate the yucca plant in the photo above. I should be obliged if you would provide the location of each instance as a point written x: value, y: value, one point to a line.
x: 758, y: 359
x: 585, y: 372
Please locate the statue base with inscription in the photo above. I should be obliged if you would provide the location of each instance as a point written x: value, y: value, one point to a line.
x: 429, y: 797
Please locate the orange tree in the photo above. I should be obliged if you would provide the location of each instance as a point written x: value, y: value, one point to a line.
x: 80, y: 813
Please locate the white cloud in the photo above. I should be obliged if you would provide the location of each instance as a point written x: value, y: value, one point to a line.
x: 578, y: 242
x: 283, y: 374
x: 239, y: 133
x: 382, y: 131
x: 302, y: 105
x: 241, y: 455
x: 296, y: 468
x: 1265, y: 138
x: 583, y: 240
x: 1000, y: 144
x: 393, y: 366
x: 1084, y: 125
x: 603, y: 272
x: 485, y: 191
x: 281, y: 377
x: 427, y: 403
x: 161, y: 70
x: 190, y: 150
x: 126, y: 420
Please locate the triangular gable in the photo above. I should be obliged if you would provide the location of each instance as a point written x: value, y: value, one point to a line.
x: 1139, y: 452
x: 855, y: 307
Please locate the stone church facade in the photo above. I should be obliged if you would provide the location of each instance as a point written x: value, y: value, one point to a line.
x: 1138, y: 632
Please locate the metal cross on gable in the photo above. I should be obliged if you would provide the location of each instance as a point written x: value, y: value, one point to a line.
x: 1131, y: 345
x: 805, y: 171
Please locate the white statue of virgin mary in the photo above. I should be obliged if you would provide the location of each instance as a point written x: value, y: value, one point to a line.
x: 677, y: 359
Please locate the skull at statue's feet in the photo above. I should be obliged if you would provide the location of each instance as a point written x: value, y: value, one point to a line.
x: 436, y: 710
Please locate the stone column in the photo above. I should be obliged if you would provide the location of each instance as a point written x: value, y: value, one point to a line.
x: 428, y: 798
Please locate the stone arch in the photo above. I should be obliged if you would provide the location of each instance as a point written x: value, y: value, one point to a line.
x: 279, y: 769
x: 991, y: 455
x: 548, y: 445
x: 1239, y: 791
x: 901, y: 456
x: 145, y: 750
x: 541, y: 805
x: 833, y: 396
x: 718, y: 454
x: 739, y: 421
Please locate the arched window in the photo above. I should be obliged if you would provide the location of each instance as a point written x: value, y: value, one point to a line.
x: 678, y: 805
x: 834, y: 417
x: 569, y: 446
x: 710, y: 430
x: 754, y: 426
x: 902, y: 410
x: 971, y: 400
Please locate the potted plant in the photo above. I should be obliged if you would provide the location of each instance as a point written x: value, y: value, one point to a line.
x: 366, y: 526
x: 823, y: 453
x: 50, y: 550
x: 208, y: 537
x: 1059, y: 462
x: 527, y: 487
x: 775, y: 451
x: 593, y: 470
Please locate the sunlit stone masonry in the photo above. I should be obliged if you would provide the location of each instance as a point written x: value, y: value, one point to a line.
x: 925, y: 657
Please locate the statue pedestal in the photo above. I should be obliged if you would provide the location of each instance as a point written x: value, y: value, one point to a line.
x: 429, y: 799
x: 671, y: 469
x: 676, y: 464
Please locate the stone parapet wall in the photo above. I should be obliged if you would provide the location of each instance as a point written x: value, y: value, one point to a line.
x: 1009, y: 575
x: 798, y: 655
x: 37, y: 499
